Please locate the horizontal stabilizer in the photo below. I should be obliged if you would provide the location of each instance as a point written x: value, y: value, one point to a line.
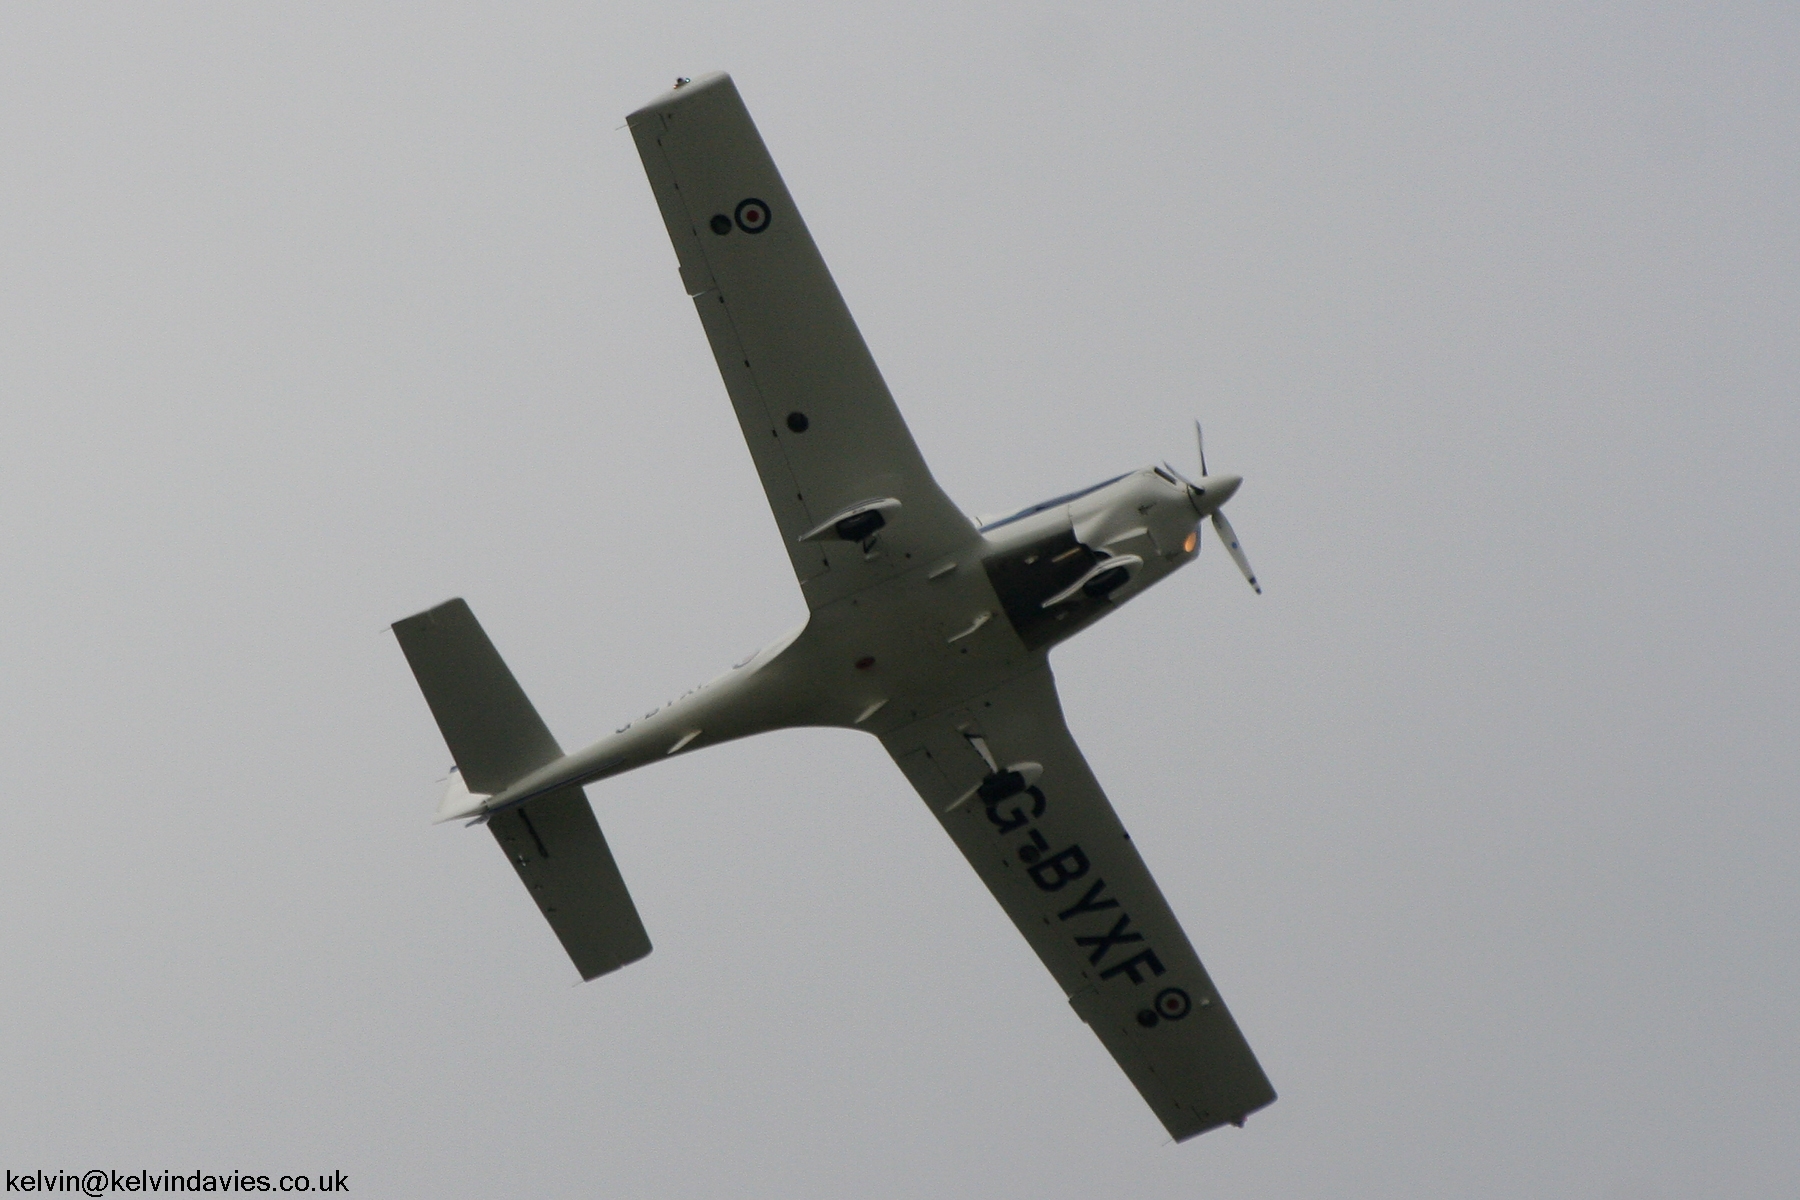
x: 497, y: 737
x: 493, y: 732
x: 556, y: 846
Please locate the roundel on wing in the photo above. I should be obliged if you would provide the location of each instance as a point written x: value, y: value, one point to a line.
x: 1173, y: 1003
x: 752, y: 215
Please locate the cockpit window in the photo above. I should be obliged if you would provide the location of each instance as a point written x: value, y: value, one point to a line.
x: 1052, y: 503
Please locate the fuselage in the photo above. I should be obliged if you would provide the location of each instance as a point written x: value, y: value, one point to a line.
x: 925, y: 638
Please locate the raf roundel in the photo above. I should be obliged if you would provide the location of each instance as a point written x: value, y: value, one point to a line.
x: 752, y: 216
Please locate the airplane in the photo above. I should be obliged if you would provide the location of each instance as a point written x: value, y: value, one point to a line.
x: 924, y: 629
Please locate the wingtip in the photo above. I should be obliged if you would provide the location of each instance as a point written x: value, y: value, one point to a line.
x: 684, y: 91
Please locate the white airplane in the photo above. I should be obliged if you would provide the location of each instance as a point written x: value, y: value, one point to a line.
x: 923, y: 629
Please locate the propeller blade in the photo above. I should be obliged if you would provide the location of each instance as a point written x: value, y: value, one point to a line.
x: 1229, y: 537
x: 1200, y: 438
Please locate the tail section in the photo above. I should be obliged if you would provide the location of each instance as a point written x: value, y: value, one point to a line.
x: 496, y: 738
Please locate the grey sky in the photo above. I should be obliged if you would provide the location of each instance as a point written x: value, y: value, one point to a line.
x: 1482, y: 818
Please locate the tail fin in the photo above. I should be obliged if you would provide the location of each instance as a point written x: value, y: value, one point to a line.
x: 496, y: 737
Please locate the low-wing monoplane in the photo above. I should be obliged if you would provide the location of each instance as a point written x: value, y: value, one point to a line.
x: 924, y: 629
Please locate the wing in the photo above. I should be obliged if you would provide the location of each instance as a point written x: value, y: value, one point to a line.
x: 1064, y: 869
x: 823, y: 431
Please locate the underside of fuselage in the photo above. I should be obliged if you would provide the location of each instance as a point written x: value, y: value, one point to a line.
x: 918, y: 641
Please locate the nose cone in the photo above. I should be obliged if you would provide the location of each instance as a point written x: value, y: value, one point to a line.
x: 1212, y: 491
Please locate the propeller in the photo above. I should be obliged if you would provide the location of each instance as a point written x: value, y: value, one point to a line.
x: 1227, y: 485
x: 1230, y: 538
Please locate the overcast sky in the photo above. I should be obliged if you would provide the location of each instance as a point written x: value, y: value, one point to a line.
x: 1483, y: 818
